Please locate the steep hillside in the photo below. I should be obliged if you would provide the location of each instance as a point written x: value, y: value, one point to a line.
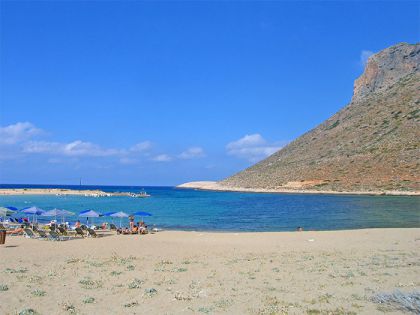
x: 372, y: 144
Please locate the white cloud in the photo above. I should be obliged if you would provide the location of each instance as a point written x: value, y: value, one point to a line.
x: 251, y: 147
x: 162, y: 158
x: 18, y: 132
x: 75, y: 148
x: 364, y: 56
x: 192, y: 153
x: 141, y: 146
x: 128, y: 161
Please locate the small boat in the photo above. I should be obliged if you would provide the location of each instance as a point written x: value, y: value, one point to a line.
x: 141, y: 194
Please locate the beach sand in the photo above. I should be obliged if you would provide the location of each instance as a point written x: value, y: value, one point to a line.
x: 330, y: 272
x: 50, y: 191
x: 291, y: 188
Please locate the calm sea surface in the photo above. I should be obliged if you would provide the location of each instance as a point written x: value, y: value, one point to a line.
x: 181, y: 209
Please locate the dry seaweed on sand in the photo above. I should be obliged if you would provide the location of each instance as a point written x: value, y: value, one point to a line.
x: 403, y: 301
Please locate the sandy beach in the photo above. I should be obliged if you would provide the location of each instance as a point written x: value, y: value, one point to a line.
x: 331, y: 272
x: 292, y: 188
x: 63, y: 192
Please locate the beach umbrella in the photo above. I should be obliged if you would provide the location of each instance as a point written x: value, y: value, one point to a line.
x: 57, y: 212
x: 34, y: 211
x: 12, y: 208
x: 5, y: 212
x: 142, y: 214
x: 108, y: 214
x: 89, y: 214
x: 66, y: 213
x: 119, y: 215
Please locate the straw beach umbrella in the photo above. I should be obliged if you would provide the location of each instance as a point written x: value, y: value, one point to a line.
x: 119, y: 215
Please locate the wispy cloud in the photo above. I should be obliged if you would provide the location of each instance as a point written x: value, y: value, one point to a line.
x: 252, y: 148
x: 75, y: 148
x: 162, y: 158
x: 192, y: 153
x: 364, y: 57
x: 128, y: 161
x: 22, y: 139
x: 141, y: 146
x: 18, y: 132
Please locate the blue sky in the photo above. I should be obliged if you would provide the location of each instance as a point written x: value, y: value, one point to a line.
x: 159, y: 93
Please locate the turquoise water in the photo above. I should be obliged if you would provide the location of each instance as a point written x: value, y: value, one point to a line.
x: 182, y: 209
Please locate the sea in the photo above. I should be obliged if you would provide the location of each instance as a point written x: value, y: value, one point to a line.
x: 194, y: 210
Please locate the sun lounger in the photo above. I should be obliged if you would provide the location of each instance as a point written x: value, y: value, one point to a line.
x: 29, y: 233
x: 62, y: 231
x: 42, y: 234
x: 79, y: 232
x: 92, y: 233
x: 113, y: 227
x: 54, y: 236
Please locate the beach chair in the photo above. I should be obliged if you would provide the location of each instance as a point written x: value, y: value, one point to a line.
x: 84, y: 227
x: 62, y: 231
x: 41, y: 233
x: 92, y: 233
x: 54, y: 236
x: 79, y: 231
x: 28, y: 233
x: 112, y: 227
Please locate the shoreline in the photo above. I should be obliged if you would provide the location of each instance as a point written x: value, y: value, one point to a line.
x: 199, y: 185
x: 59, y: 192
x: 215, y: 186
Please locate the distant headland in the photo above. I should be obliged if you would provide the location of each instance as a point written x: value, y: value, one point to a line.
x: 371, y: 146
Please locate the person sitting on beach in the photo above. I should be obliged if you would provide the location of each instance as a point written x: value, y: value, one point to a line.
x: 16, y: 230
x: 126, y: 231
x: 135, y: 230
x: 78, y: 224
x: 299, y: 229
x: 104, y: 225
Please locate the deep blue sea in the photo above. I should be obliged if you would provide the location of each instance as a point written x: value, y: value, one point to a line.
x: 185, y: 209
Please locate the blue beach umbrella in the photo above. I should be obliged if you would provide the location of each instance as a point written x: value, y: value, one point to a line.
x: 4, y: 211
x: 142, y: 214
x: 35, y: 211
x: 119, y: 215
x: 108, y: 214
x: 57, y: 212
x: 89, y: 214
x: 12, y: 208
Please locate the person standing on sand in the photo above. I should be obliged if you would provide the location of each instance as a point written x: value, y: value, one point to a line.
x: 131, y: 218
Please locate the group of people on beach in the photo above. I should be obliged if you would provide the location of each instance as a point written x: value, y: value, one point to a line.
x: 139, y: 228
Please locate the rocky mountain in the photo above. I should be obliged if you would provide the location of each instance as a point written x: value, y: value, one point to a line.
x: 372, y: 144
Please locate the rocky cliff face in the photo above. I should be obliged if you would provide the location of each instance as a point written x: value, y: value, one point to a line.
x: 371, y: 144
x: 386, y: 68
